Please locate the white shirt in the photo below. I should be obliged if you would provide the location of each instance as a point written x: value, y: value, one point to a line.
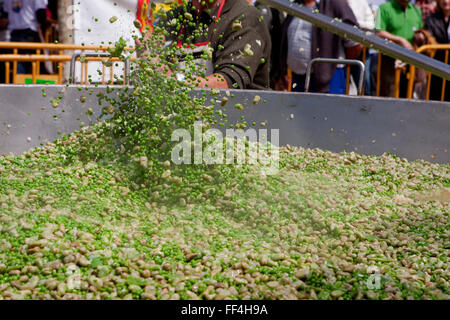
x: 22, y: 13
x: 363, y: 13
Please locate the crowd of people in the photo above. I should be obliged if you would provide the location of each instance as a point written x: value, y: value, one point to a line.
x: 403, y: 22
x: 289, y: 43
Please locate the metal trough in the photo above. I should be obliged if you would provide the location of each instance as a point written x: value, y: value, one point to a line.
x: 408, y: 128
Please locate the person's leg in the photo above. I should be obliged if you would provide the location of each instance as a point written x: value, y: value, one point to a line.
x: 24, y: 36
x: 339, y: 82
x: 298, y: 83
x: 387, y: 77
x: 19, y: 36
x: 367, y: 76
x: 2, y: 66
x: 355, y: 72
x: 373, y: 74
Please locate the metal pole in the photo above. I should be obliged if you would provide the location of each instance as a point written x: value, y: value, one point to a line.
x: 366, y: 38
x: 358, y: 63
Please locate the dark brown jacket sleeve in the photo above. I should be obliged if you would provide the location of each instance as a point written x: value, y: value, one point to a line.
x: 238, y: 67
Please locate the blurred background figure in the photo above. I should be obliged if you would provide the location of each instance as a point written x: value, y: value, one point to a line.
x: 427, y: 7
x: 439, y: 26
x: 422, y: 37
x: 370, y: 80
x: 374, y: 4
x: 26, y: 21
x: 4, y: 34
x: 396, y: 21
x: 363, y: 13
x: 273, y: 19
x: 366, y: 20
x: 301, y: 42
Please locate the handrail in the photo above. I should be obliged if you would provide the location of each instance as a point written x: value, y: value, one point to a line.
x: 433, y: 47
x: 358, y: 63
x: 366, y: 38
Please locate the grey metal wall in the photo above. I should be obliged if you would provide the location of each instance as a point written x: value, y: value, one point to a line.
x: 372, y: 126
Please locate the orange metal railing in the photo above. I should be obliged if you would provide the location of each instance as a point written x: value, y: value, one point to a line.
x: 429, y: 50
x: 59, y: 59
x: 57, y: 56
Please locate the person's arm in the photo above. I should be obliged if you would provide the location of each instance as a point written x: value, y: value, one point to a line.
x: 215, y: 80
x: 381, y: 27
x: 344, y: 12
x: 396, y: 39
x: 236, y: 63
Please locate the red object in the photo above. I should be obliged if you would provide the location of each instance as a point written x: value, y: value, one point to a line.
x: 144, y: 13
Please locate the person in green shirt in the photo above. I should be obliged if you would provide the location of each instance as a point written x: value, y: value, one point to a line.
x: 396, y: 21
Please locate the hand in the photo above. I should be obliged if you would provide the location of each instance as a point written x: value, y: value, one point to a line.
x: 405, y: 43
